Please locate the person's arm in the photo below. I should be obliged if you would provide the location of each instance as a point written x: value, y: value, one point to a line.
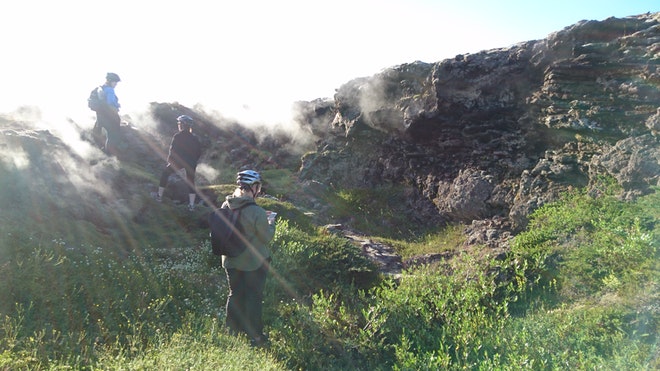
x: 265, y: 231
x: 197, y: 151
x: 171, y: 155
x: 110, y: 97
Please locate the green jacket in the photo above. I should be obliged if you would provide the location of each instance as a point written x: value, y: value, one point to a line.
x: 257, y: 231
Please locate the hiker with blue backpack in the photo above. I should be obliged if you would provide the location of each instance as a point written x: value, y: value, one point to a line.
x: 246, y: 272
x: 103, y: 100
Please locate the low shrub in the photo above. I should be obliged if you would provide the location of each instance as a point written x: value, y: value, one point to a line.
x: 604, y: 243
x: 610, y: 337
x: 304, y: 264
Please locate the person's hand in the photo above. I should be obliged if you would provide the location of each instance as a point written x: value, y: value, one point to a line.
x: 271, y: 216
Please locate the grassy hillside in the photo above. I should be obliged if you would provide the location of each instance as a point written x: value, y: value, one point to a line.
x: 578, y: 290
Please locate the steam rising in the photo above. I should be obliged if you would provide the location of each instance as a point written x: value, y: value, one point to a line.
x: 17, y: 158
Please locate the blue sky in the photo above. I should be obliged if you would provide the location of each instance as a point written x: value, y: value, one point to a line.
x: 251, y: 59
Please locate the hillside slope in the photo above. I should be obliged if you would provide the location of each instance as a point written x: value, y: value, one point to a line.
x: 480, y: 139
x: 439, y: 163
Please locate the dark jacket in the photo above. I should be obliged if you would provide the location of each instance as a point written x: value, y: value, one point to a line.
x: 257, y: 231
x: 185, y: 150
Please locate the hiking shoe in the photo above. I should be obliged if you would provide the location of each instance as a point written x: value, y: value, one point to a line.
x: 156, y: 197
x: 259, y: 341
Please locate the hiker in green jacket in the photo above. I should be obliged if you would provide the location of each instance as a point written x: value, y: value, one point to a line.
x: 246, y: 273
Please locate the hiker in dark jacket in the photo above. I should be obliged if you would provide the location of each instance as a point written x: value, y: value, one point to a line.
x: 184, y: 153
x: 246, y: 273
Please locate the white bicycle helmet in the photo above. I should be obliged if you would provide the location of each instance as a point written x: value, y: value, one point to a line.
x: 248, y: 177
x: 185, y: 120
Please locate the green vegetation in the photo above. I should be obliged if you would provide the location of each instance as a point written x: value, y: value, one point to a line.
x: 579, y: 290
x: 379, y: 211
x: 447, y: 238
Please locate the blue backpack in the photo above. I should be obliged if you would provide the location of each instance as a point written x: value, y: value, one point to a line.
x: 94, y: 102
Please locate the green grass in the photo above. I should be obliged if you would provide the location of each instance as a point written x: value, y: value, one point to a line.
x: 610, y: 337
x: 448, y: 239
x: 279, y: 182
x: 606, y: 245
x: 380, y: 211
x: 579, y: 290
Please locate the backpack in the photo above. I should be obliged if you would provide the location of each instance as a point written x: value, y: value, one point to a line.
x: 94, y: 101
x: 226, y: 233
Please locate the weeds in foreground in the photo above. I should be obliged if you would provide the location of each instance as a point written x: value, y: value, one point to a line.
x: 578, y: 291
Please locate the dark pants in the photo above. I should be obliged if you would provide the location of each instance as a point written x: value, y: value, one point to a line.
x: 169, y: 170
x: 110, y: 121
x: 245, y: 301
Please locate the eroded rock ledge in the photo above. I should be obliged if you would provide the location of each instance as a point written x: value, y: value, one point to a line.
x: 486, y: 138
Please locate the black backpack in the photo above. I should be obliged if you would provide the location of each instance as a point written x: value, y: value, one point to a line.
x: 226, y: 233
x: 94, y: 101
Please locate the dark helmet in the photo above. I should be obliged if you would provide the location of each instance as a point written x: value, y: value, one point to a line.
x: 185, y: 120
x: 112, y: 77
x: 248, y: 177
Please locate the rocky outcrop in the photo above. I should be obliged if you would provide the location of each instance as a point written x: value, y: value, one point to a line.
x: 498, y: 133
x: 479, y: 139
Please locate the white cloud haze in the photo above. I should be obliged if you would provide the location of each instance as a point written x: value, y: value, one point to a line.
x: 250, y: 59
